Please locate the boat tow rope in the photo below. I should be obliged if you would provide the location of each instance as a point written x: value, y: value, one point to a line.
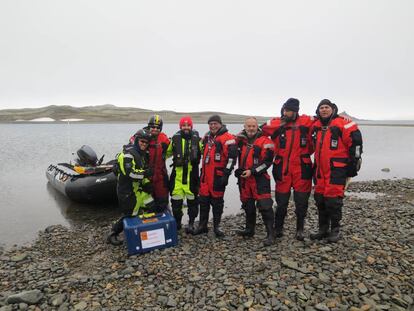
x: 62, y: 176
x: 65, y: 175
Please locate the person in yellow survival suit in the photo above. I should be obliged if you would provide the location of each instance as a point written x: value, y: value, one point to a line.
x: 185, y: 148
x: 134, y: 186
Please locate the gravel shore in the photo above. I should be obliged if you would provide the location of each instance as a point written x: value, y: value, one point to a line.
x: 371, y: 268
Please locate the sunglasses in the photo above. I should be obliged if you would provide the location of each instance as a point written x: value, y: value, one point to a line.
x: 143, y: 141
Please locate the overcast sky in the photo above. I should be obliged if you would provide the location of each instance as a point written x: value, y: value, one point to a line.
x: 232, y: 56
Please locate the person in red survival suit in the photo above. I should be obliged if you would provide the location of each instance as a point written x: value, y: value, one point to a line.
x: 338, y: 149
x: 219, y: 158
x: 255, y: 157
x: 292, y: 166
x: 157, y: 155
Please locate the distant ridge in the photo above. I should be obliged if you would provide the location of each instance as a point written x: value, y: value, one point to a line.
x: 111, y: 113
x: 345, y: 114
x: 108, y: 113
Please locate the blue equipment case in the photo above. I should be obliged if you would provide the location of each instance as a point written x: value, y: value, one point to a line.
x: 147, y: 234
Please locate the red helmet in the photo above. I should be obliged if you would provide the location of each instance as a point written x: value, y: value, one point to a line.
x: 188, y: 120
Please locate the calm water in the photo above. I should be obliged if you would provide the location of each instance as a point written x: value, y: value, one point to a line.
x: 28, y: 203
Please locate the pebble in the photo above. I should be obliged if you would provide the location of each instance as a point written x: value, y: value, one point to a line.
x: 57, y: 300
x: 321, y: 307
x: 362, y: 288
x: 30, y: 297
x: 19, y: 257
x: 81, y: 306
x: 370, y: 268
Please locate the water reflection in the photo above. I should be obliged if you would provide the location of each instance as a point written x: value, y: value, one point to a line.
x: 80, y: 213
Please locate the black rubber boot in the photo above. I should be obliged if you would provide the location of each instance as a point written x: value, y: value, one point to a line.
x: 204, y: 213
x: 161, y: 204
x: 218, y: 205
x: 323, y: 219
x: 190, y: 227
x: 282, y: 200
x: 250, y: 209
x: 177, y: 209
x: 301, y: 203
x: 113, y: 237
x: 192, y: 215
x: 335, y: 235
x: 268, y: 217
x: 334, y: 206
x: 300, y: 223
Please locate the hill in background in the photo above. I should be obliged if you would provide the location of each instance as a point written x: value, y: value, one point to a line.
x: 109, y: 113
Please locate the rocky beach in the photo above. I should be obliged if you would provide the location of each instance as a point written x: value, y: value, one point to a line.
x: 370, y: 268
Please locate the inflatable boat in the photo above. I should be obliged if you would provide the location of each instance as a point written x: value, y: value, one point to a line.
x: 85, y: 181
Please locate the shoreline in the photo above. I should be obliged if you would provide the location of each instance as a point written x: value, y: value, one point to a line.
x: 372, y: 267
x: 361, y: 123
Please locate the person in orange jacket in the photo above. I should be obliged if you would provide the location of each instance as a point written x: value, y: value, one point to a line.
x: 338, y: 149
x: 255, y: 157
x: 219, y: 158
x: 157, y: 155
x: 292, y: 167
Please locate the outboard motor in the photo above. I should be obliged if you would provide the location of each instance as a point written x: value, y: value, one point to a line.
x: 86, y: 156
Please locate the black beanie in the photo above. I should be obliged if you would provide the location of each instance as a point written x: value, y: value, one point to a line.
x: 216, y: 118
x: 291, y: 104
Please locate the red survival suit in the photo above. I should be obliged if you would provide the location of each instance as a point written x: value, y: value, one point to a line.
x: 292, y: 165
x: 338, y: 149
x: 255, y: 154
x: 219, y: 158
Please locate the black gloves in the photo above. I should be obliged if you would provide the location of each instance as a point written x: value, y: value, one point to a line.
x: 147, y: 188
x: 227, y: 172
x: 224, y: 180
x: 148, y: 172
x: 238, y: 172
x: 353, y: 167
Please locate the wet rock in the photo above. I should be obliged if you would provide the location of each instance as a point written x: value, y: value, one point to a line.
x: 19, y: 257
x: 409, y: 300
x: 321, y: 307
x: 324, y: 278
x: 171, y: 302
x: 293, y: 265
x: 82, y: 305
x: 57, y: 300
x: 399, y: 302
x: 394, y: 270
x: 302, y: 296
x: 30, y: 297
x: 362, y: 288
x: 163, y: 300
x: 370, y: 260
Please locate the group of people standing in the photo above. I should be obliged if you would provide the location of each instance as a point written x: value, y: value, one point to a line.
x: 286, y: 142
